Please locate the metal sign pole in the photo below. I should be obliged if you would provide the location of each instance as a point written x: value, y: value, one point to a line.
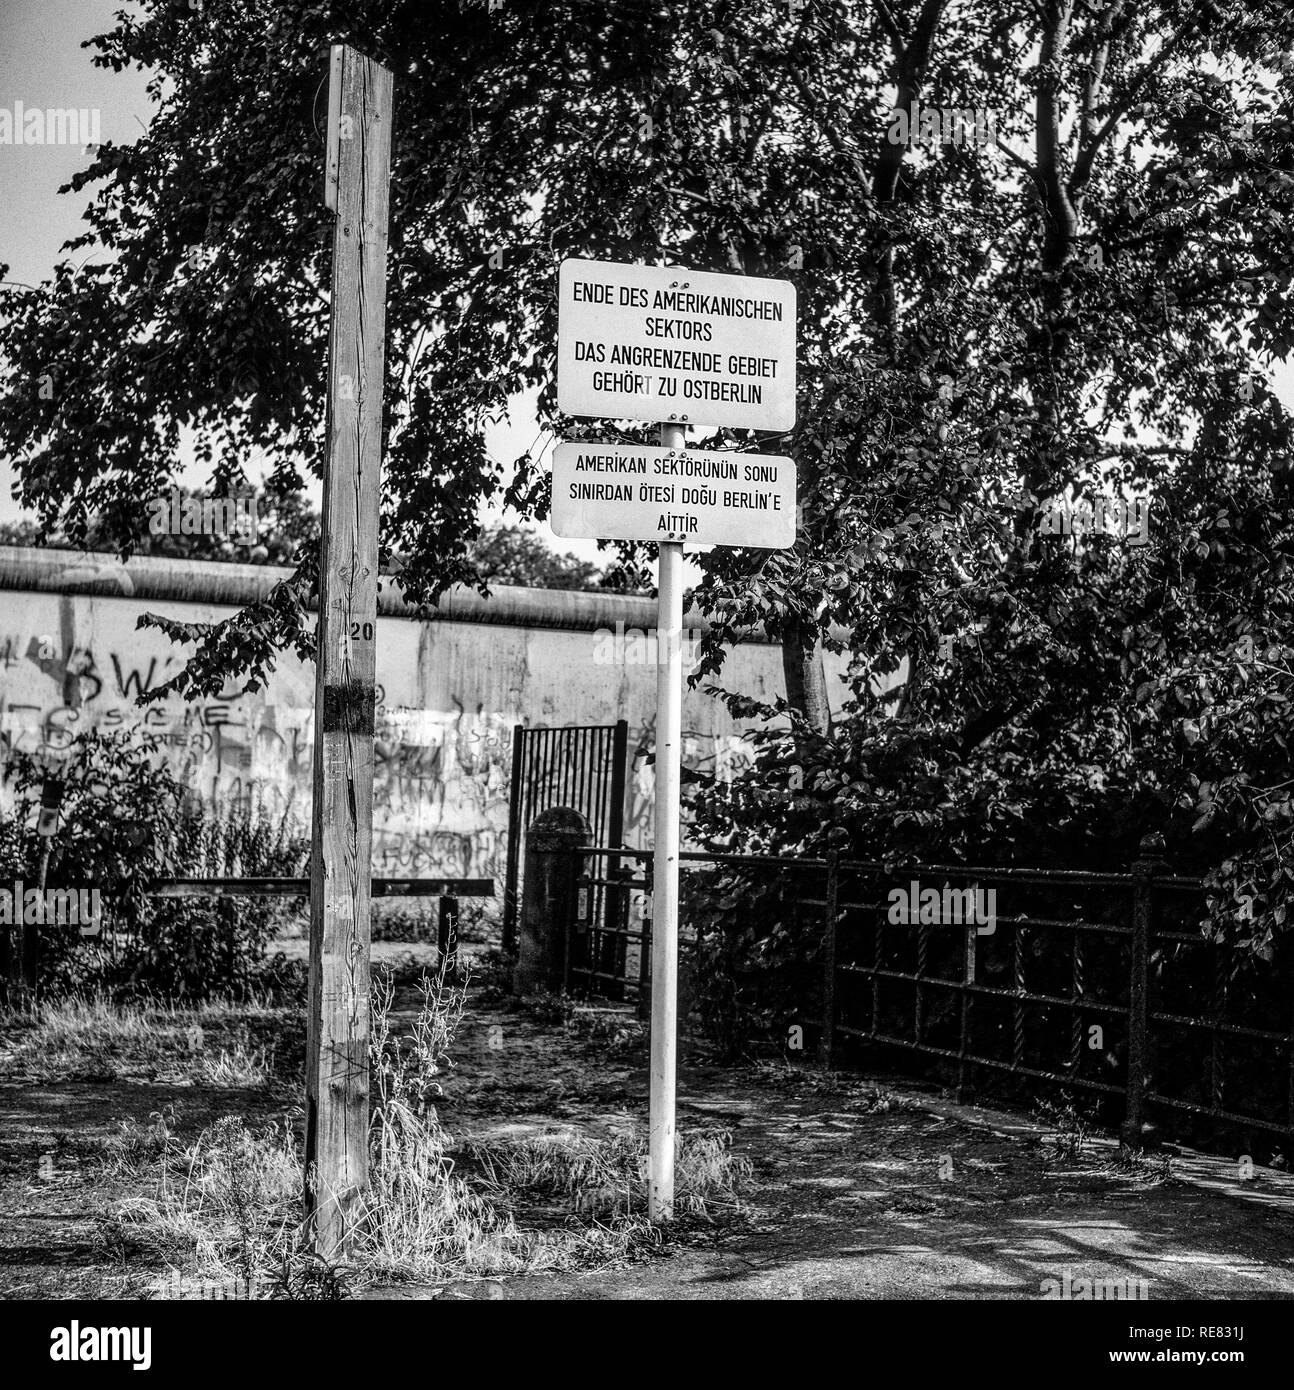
x: 664, y: 940
x: 610, y: 312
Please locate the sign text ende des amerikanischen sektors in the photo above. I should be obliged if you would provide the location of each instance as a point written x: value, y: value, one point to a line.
x: 652, y: 343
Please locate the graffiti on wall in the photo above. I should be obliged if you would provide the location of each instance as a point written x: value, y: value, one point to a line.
x: 441, y: 776
x: 716, y: 756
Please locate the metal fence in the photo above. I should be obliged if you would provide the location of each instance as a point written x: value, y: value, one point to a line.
x: 582, y: 767
x: 20, y: 951
x: 1092, y: 983
x: 607, y: 942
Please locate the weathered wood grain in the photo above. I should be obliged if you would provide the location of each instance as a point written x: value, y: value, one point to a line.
x: 337, y: 1056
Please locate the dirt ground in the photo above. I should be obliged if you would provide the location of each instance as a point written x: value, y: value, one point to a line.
x: 862, y: 1187
x: 847, y: 1198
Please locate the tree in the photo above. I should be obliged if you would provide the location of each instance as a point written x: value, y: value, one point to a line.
x: 510, y: 555
x: 1083, y: 303
x: 280, y: 529
x: 19, y: 533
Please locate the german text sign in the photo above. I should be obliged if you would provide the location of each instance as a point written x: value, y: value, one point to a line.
x: 645, y: 343
x: 638, y: 492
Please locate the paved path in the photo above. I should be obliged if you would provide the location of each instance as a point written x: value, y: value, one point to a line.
x: 867, y: 1192
x: 859, y: 1190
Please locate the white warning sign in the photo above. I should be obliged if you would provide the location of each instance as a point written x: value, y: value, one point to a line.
x: 646, y: 343
x: 638, y: 492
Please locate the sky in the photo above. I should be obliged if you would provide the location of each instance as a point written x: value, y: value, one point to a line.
x: 43, y: 65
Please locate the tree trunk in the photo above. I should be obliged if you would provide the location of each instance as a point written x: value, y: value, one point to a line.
x: 911, y: 63
x: 806, y: 677
x: 1052, y: 340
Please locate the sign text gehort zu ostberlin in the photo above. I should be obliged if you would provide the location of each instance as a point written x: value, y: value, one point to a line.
x: 652, y: 343
x: 639, y: 492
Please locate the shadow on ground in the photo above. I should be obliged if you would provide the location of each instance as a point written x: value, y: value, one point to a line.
x: 862, y: 1187
x: 867, y: 1189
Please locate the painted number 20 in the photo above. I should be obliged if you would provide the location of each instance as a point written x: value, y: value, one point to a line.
x: 362, y: 630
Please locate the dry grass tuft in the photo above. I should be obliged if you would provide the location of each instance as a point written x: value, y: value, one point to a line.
x: 223, y: 1208
x: 609, y: 1175
x: 91, y: 1034
x: 239, y: 1067
x: 227, y: 1208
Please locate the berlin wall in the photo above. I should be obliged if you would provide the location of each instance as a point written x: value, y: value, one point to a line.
x: 449, y: 692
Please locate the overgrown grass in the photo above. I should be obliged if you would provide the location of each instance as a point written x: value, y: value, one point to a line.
x: 1071, y: 1144
x: 607, y: 1176
x: 492, y: 975
x: 1145, y: 1169
x: 226, y: 1208
x: 223, y: 1207
x: 1072, y: 1130
x: 239, y: 1067
x: 139, y: 1146
x: 92, y: 1035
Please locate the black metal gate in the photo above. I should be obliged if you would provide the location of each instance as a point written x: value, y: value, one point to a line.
x: 582, y: 767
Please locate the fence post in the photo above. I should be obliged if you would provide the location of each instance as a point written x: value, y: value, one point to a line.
x: 24, y: 937
x: 515, y: 784
x: 644, y: 941
x: 549, y: 892
x: 829, y: 962
x: 1149, y: 862
x: 965, y: 1092
x: 615, y: 904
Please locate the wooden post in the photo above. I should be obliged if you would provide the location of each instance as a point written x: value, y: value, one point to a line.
x: 341, y: 860
x: 24, y: 937
x: 19, y: 952
x: 965, y: 1092
x: 1137, y: 973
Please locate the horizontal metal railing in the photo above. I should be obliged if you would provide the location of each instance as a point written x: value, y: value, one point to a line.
x: 1022, y: 1001
x: 228, y: 887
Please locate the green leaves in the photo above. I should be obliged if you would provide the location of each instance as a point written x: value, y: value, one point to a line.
x: 965, y: 358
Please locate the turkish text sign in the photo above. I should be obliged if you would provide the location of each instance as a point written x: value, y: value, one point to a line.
x: 645, y: 343
x: 638, y: 492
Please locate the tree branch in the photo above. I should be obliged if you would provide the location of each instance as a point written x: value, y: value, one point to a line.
x: 1017, y: 157
x: 1087, y: 153
x: 891, y: 27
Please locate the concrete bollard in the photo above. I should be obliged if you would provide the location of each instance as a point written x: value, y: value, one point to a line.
x: 548, y: 899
